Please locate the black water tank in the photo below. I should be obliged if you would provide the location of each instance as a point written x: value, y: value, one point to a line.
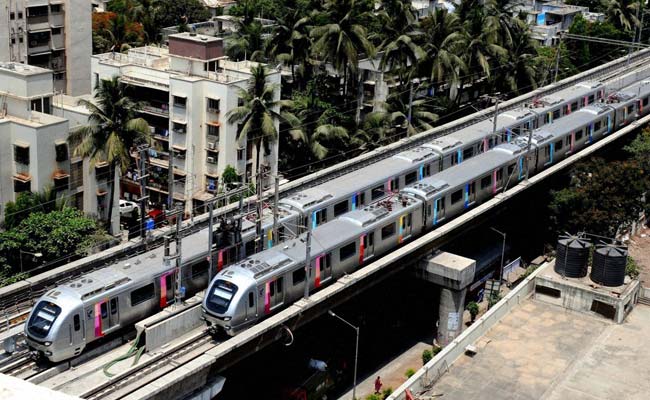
x: 608, y: 268
x: 572, y: 256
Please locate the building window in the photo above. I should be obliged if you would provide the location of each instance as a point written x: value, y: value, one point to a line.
x: 76, y: 174
x: 180, y: 101
x: 20, y: 39
x: 13, y: 40
x: 12, y: 15
x: 210, y: 66
x: 56, y: 31
x: 20, y: 15
x: 212, y: 158
x: 61, y: 151
x: 55, y: 8
x: 22, y: 185
x: 240, y: 154
x: 101, y: 171
x: 61, y: 183
x: 21, y: 154
x: 213, y: 105
x: 37, y: 105
x: 179, y: 128
x: 213, y: 130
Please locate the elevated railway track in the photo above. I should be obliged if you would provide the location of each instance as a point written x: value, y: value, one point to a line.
x: 16, y: 300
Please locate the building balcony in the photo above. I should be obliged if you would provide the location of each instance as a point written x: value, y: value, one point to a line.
x: 58, y: 42
x: 36, y: 48
x: 154, y: 108
x: 57, y: 19
x: 39, y: 23
x: 36, y: 3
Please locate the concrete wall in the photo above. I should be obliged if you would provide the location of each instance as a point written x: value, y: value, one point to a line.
x: 78, y: 45
x: 441, y: 363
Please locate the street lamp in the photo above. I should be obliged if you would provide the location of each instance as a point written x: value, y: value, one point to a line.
x: 356, y: 353
x: 503, y: 250
x: 21, y: 252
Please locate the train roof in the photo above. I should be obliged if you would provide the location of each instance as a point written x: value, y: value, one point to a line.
x: 460, y: 174
x: 572, y: 121
x: 639, y: 89
x: 359, y: 180
x: 571, y: 93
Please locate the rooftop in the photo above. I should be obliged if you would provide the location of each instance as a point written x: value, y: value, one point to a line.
x: 23, y: 69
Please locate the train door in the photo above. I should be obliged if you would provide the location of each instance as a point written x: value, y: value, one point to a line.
x: 470, y: 194
x: 166, y: 289
x: 77, y: 331
x: 274, y: 294
x: 322, y: 269
x: 438, y: 210
x: 366, y: 246
x: 405, y: 224
x: 251, y: 307
x: 113, y: 312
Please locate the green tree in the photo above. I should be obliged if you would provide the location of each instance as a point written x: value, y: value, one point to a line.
x: 397, y: 112
x: 623, y: 14
x: 229, y: 176
x: 639, y: 149
x: 28, y: 202
x: 259, y: 113
x: 290, y: 41
x: 172, y: 13
x: 342, y: 38
x: 519, y: 67
x: 111, y: 134
x: 473, y: 309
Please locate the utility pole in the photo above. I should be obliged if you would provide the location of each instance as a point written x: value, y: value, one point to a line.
x: 307, y: 260
x: 276, y: 199
x: 259, y: 209
x: 410, y: 114
x: 144, y: 150
x: 178, y: 213
x: 170, y: 178
x: 496, y: 114
x: 557, y: 58
x: 210, y: 240
x: 530, y: 142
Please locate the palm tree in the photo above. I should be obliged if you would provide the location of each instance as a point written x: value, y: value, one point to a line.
x: 290, y: 42
x: 622, y: 13
x: 259, y: 113
x: 375, y: 131
x: 246, y: 42
x: 112, y: 132
x: 120, y: 34
x: 343, y: 38
x: 402, y: 56
x: 442, y: 41
x: 520, y: 69
x: 397, y: 113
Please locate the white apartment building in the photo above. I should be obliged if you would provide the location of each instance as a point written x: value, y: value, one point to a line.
x: 186, y: 88
x: 34, y: 152
x: 53, y: 34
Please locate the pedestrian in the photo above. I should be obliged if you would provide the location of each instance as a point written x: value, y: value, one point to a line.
x: 378, y: 385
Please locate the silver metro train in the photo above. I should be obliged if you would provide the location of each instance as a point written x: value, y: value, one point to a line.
x: 258, y: 286
x: 69, y: 317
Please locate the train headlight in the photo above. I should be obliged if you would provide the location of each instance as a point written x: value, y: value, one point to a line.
x: 47, y: 344
x: 227, y: 318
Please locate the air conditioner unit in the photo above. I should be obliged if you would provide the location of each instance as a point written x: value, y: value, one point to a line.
x: 211, y: 160
x: 152, y: 130
x: 211, y: 145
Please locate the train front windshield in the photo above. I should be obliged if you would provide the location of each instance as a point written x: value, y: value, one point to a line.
x: 221, y: 293
x: 43, y: 317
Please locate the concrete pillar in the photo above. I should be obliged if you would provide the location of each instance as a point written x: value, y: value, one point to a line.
x: 453, y: 274
x: 451, y: 307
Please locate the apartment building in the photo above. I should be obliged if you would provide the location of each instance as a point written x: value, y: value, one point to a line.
x: 34, y: 152
x: 186, y: 90
x: 53, y: 34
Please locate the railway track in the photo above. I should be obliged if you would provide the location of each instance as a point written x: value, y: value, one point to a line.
x: 21, y: 300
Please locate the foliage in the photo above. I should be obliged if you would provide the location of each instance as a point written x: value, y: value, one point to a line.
x: 601, y: 198
x: 639, y: 149
x: 409, y: 373
x: 28, y: 202
x: 494, y: 298
x: 436, y: 350
x: 229, y: 176
x: 170, y: 13
x: 386, y: 392
x: 587, y: 55
x: 112, y: 131
x: 427, y: 355
x: 631, y: 268
x: 115, y: 32
x: 58, y: 235
x: 374, y: 396
x: 473, y: 309
x: 529, y: 270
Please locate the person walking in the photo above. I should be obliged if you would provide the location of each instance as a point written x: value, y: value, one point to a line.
x: 378, y: 385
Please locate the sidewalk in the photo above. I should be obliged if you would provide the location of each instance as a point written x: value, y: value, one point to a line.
x: 392, y: 373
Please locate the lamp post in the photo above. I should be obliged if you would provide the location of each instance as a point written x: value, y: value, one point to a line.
x: 356, y: 352
x: 503, y: 250
x: 21, y: 252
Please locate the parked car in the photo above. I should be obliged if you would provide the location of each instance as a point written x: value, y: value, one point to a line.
x: 127, y: 206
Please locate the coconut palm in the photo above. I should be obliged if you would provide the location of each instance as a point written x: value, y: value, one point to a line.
x: 397, y: 113
x: 343, y: 38
x: 442, y: 40
x: 401, y: 56
x: 520, y: 72
x: 622, y: 13
x: 112, y: 132
x: 259, y: 113
x: 375, y: 131
x: 246, y: 42
x: 290, y: 42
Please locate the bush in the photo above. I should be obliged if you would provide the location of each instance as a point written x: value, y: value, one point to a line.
x: 631, y: 268
x: 473, y: 309
x: 386, y: 392
x: 427, y: 355
x: 409, y: 373
x: 436, y: 350
x: 493, y: 299
x: 374, y: 397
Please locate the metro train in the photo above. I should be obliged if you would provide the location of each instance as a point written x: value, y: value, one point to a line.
x: 69, y: 317
x: 264, y: 283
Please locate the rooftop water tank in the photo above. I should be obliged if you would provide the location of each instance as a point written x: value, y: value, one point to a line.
x: 608, y: 268
x: 572, y: 256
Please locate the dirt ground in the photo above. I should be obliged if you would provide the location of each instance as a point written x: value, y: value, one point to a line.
x: 640, y: 251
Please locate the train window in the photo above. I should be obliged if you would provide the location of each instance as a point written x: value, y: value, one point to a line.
x: 104, y: 310
x: 574, y: 105
x: 500, y: 175
x: 579, y: 134
x: 377, y: 192
x: 486, y: 181
x: 409, y: 220
x: 558, y: 145
x: 387, y: 231
x: 556, y: 114
x: 360, y: 199
x: 298, y: 276
x: 249, y: 247
x: 340, y: 208
x: 427, y: 169
x: 251, y: 300
x: 547, y: 151
x: 631, y: 108
x: 598, y: 125
x: 546, y: 118
x: 200, y: 269
x: 76, y: 322
x: 42, y: 319
x: 347, y: 251
x: 411, y: 177
x: 113, y: 306
x: 591, y: 99
x: 468, y: 153
x: 370, y: 239
x: 645, y: 102
x: 511, y: 169
x: 279, y: 283
x: 456, y: 196
x: 142, y: 294
x: 565, y: 109
x: 454, y: 159
x: 327, y: 261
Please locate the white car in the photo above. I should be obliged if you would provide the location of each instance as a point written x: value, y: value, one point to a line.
x: 127, y: 206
